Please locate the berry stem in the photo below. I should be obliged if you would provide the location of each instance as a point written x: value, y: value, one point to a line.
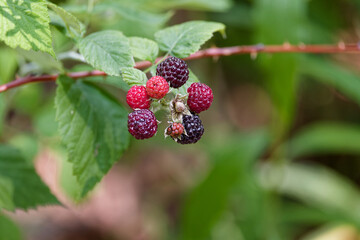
x: 210, y: 52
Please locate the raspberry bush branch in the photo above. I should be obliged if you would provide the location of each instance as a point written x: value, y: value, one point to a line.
x: 210, y: 52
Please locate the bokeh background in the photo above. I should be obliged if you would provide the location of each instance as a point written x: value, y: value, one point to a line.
x: 280, y: 155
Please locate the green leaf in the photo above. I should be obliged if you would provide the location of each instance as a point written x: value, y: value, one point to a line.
x: 93, y: 127
x: 107, y: 51
x: 9, y: 230
x: 133, y: 76
x: 321, y: 188
x: 28, y: 189
x: 6, y: 194
x: 332, y: 74
x: 192, y: 79
x: 326, y: 138
x: 144, y: 49
x: 186, y: 38
x: 25, y: 24
x: 74, y: 27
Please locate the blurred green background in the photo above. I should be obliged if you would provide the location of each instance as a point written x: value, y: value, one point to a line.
x: 280, y: 155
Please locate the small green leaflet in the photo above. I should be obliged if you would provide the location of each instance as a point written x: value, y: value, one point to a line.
x: 107, y: 51
x: 25, y: 24
x: 186, y: 38
x: 133, y: 76
x: 74, y: 27
x: 93, y: 126
x: 19, y: 181
x: 143, y: 48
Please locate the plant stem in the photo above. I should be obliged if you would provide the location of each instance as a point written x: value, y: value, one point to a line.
x: 210, y: 52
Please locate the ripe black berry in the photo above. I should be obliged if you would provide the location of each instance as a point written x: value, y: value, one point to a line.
x: 142, y: 124
x: 174, y: 70
x: 194, y: 129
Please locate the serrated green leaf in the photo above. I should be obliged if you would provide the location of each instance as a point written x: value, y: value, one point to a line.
x: 8, y: 229
x: 144, y: 49
x: 25, y: 24
x: 325, y: 138
x: 186, y: 38
x: 28, y: 189
x: 133, y: 76
x: 107, y: 51
x: 74, y: 27
x: 192, y: 79
x: 93, y: 127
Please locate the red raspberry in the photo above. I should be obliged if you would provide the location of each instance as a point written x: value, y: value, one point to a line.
x: 137, y: 98
x: 175, y: 130
x: 157, y: 87
x: 142, y: 124
x: 200, y: 97
x: 174, y: 70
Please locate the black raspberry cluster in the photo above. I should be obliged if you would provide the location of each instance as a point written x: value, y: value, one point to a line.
x: 185, y: 125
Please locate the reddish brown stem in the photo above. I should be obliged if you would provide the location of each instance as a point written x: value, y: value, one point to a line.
x: 210, y: 52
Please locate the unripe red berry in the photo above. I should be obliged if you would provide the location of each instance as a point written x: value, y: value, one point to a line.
x: 137, y: 98
x: 157, y: 87
x: 200, y: 97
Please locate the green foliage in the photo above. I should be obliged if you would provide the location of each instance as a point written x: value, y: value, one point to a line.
x: 93, y: 127
x: 133, y: 76
x: 144, y: 49
x: 25, y: 24
x: 329, y: 73
x: 205, y: 205
x: 75, y: 28
x: 326, y: 138
x: 214, y: 5
x: 19, y: 178
x: 107, y: 51
x: 319, y: 188
x: 8, y: 229
x: 186, y: 38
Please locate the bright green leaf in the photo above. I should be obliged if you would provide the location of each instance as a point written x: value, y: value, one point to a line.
x: 107, y: 51
x: 200, y: 5
x: 25, y: 24
x: 93, y: 127
x: 133, y: 76
x: 186, y: 38
x: 74, y: 27
x: 28, y: 189
x: 9, y: 230
x: 144, y: 49
x: 326, y: 138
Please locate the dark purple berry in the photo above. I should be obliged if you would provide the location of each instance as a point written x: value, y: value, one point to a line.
x: 194, y: 129
x: 142, y: 124
x: 174, y: 70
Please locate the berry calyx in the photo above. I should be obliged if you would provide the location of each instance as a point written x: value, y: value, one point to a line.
x: 157, y: 87
x: 137, y: 98
x: 175, y: 130
x: 174, y: 70
x: 142, y: 124
x: 194, y: 129
x: 200, y: 97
